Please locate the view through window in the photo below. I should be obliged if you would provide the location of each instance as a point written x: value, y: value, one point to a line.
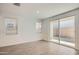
x: 63, y: 31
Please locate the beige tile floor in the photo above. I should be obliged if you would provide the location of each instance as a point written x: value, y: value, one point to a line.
x: 37, y: 48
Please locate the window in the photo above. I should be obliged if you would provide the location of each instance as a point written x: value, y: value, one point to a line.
x: 62, y: 31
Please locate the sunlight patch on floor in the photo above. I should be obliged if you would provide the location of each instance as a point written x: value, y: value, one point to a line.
x: 64, y: 43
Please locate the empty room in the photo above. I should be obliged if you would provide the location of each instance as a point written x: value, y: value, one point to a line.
x: 39, y: 28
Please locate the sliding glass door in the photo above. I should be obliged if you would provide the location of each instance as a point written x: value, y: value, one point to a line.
x: 62, y: 31
x: 67, y: 31
x: 54, y: 31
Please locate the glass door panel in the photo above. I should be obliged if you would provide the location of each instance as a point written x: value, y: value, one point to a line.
x: 54, y: 31
x: 67, y: 31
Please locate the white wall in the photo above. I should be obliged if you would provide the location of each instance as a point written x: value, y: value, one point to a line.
x: 45, y: 30
x: 26, y: 28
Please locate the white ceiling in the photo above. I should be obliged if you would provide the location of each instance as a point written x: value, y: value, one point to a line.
x: 45, y: 9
